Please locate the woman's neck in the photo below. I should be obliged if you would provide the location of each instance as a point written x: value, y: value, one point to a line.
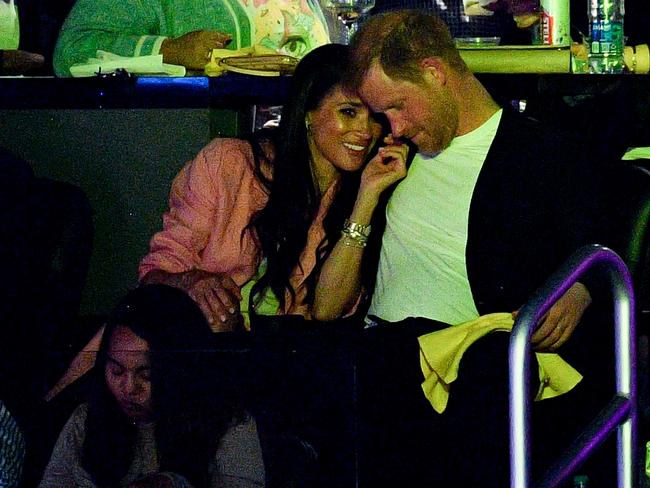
x: 324, y: 174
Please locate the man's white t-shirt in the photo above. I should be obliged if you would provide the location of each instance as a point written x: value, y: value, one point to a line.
x: 422, y: 267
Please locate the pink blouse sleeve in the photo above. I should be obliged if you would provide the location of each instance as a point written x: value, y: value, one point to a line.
x: 212, y: 196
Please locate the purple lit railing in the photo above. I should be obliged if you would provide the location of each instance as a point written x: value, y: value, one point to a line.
x: 619, y: 414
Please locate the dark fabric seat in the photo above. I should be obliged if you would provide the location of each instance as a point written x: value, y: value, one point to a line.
x: 634, y: 227
x: 45, y: 245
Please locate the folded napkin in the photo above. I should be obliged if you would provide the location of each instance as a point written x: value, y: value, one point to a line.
x: 107, y: 63
x: 441, y: 352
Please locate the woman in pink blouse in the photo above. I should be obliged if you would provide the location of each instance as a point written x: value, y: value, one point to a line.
x: 261, y: 216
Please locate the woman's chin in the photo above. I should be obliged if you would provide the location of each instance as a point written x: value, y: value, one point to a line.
x: 136, y: 413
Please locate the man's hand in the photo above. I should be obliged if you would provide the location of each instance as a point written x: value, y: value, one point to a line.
x: 194, y: 49
x: 562, y: 319
x: 218, y: 296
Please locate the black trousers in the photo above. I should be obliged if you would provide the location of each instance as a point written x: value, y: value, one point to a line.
x: 404, y: 442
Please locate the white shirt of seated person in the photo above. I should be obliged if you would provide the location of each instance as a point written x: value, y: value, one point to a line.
x: 422, y: 268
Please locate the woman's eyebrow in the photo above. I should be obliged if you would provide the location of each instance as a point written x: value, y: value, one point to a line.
x: 353, y: 103
x: 113, y: 360
x: 139, y: 368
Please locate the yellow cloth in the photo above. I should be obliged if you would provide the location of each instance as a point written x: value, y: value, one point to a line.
x: 441, y: 352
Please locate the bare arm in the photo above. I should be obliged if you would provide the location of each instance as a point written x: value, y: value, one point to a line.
x: 339, y: 283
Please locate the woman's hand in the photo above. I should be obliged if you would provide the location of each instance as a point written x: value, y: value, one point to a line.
x: 339, y: 283
x: 194, y: 49
x: 562, y: 319
x: 386, y: 168
x: 216, y: 294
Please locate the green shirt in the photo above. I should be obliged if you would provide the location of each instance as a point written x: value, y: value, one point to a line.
x: 138, y: 27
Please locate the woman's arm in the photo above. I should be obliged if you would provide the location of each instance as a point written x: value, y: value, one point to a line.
x: 64, y: 467
x: 339, y: 283
x: 139, y: 28
x: 204, y: 247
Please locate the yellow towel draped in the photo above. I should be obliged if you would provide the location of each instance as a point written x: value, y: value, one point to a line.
x: 441, y: 352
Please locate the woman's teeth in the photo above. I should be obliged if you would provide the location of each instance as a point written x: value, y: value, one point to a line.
x: 354, y: 147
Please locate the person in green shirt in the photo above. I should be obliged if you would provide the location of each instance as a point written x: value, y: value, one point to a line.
x: 186, y: 31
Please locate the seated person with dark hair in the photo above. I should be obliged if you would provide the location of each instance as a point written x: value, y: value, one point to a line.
x: 158, y: 414
x: 260, y: 217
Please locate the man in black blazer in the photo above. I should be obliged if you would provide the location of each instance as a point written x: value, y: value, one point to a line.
x: 493, y: 203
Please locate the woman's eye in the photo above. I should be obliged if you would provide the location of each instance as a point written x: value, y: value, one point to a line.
x: 146, y: 375
x: 350, y: 112
x: 115, y: 371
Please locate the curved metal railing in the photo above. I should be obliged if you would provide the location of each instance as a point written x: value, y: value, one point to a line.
x: 619, y: 414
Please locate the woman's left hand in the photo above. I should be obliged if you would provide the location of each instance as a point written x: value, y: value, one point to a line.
x: 386, y: 168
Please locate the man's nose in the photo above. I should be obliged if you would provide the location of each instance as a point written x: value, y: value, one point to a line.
x: 396, y: 126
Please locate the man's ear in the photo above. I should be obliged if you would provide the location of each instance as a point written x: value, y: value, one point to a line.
x: 434, y: 70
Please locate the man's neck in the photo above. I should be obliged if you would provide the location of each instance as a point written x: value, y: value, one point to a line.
x: 475, y: 104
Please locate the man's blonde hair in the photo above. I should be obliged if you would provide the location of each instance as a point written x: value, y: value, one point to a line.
x: 398, y: 41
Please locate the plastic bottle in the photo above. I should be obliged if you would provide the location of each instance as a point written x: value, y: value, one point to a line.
x: 606, y: 36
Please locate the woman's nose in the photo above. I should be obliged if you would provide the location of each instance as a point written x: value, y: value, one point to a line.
x: 131, y: 385
x: 366, y: 126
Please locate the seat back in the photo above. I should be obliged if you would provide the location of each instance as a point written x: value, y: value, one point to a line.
x: 631, y: 234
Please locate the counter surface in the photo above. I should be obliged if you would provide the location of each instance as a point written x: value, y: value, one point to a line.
x: 234, y: 90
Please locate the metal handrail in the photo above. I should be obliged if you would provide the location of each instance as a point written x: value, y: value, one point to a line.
x: 619, y: 413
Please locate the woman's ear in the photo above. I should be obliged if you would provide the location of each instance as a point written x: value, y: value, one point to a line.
x: 308, y: 124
